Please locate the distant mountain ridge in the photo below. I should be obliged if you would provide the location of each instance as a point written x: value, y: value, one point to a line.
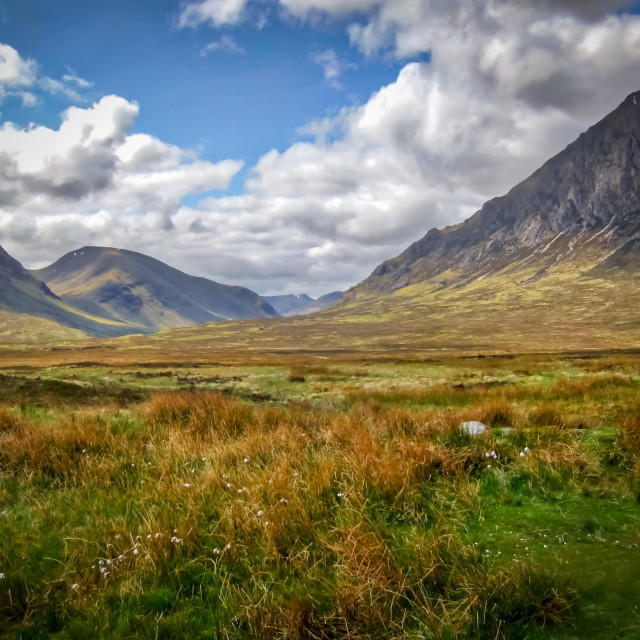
x: 291, y: 305
x: 584, y: 200
x: 144, y: 293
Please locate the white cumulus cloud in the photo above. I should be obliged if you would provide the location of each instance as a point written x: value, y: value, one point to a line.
x: 14, y: 70
x: 93, y: 169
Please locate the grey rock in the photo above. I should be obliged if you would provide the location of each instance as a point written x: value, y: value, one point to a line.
x: 473, y: 428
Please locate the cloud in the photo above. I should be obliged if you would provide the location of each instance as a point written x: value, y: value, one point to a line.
x: 28, y: 99
x: 73, y: 78
x: 14, y: 70
x: 17, y: 75
x: 216, y: 12
x: 306, y: 8
x: 332, y: 65
x: 509, y: 83
x: 226, y: 44
x: 55, y: 87
x: 92, y: 163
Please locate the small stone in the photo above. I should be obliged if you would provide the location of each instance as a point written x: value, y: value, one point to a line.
x: 473, y: 428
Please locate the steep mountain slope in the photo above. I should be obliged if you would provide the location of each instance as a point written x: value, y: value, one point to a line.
x: 291, y: 305
x: 148, y: 295
x: 30, y: 308
x: 583, y: 204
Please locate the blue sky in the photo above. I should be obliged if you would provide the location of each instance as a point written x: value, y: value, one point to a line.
x: 287, y: 145
x: 226, y: 104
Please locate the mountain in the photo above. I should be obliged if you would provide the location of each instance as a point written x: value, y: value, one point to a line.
x: 553, y: 265
x: 144, y: 293
x: 30, y: 309
x: 291, y: 305
x: 583, y: 205
x: 328, y: 299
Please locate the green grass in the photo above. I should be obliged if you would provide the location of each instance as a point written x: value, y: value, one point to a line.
x: 335, y: 500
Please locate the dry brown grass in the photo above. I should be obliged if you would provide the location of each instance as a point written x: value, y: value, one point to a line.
x: 347, y: 517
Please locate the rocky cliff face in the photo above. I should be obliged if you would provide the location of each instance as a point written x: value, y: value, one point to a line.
x: 586, y: 196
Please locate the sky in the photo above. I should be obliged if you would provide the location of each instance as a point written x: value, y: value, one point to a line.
x: 288, y: 146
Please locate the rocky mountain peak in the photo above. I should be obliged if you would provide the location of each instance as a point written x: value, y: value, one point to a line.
x: 591, y: 187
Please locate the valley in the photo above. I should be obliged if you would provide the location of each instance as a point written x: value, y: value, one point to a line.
x: 181, y: 458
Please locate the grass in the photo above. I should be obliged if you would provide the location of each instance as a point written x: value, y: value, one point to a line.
x: 310, y: 500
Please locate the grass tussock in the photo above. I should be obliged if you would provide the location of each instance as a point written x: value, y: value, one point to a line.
x: 368, y: 514
x: 628, y: 441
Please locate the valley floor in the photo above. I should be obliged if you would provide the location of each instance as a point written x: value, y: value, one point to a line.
x: 331, y: 500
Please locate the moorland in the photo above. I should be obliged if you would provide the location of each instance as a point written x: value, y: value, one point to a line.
x: 308, y: 499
